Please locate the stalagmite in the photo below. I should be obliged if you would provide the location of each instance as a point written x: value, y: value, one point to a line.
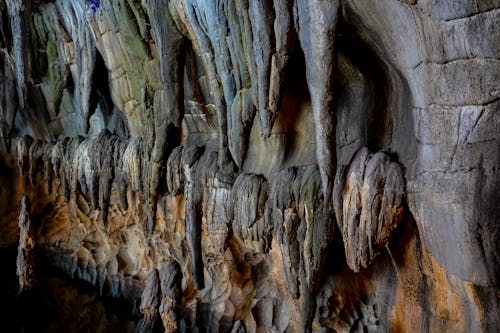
x: 304, y: 228
x: 25, y: 249
x: 193, y: 212
x: 217, y: 196
x: 171, y: 295
x: 290, y: 251
x: 150, y: 303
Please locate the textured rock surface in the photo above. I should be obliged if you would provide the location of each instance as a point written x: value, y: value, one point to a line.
x: 370, y: 207
x: 25, y: 251
x: 256, y: 166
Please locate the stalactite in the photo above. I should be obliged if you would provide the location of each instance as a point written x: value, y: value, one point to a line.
x: 171, y: 49
x: 240, y: 121
x: 284, y: 39
x: 243, y: 108
x: 106, y: 144
x: 92, y: 166
x: 132, y: 159
x: 170, y: 45
x: 260, y: 13
x: 193, y: 11
x: 318, y: 26
x: 17, y: 10
x: 76, y: 23
x: 119, y: 177
x: 34, y: 159
x: 8, y: 105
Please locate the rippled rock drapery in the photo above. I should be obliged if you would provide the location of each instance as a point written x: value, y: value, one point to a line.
x: 253, y: 166
x: 371, y: 206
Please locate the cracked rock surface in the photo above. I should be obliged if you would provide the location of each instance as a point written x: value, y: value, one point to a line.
x: 252, y: 166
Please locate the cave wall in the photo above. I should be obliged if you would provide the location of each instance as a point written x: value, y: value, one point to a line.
x: 259, y: 166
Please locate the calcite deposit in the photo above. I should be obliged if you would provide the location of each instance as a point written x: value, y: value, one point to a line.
x: 253, y: 166
x: 25, y: 250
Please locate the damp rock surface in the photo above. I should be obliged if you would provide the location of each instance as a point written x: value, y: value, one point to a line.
x: 255, y: 166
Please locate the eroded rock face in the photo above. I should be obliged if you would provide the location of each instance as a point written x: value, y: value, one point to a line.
x: 371, y: 206
x: 257, y: 166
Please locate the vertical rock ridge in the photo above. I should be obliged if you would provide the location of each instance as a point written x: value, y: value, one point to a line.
x: 150, y: 302
x: 25, y: 250
x: 18, y: 11
x: 317, y: 21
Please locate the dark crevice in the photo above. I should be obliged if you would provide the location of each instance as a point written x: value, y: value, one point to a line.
x: 70, y: 83
x: 5, y: 33
x: 100, y: 95
x: 378, y: 126
x: 295, y: 95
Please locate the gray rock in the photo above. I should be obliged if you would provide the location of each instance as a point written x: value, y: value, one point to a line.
x: 231, y: 139
x: 372, y: 206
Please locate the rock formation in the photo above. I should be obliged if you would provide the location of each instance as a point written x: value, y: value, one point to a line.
x: 25, y: 250
x: 171, y: 292
x: 257, y: 166
x: 371, y: 206
x: 150, y: 302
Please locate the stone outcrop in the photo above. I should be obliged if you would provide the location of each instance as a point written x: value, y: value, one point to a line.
x: 257, y: 166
